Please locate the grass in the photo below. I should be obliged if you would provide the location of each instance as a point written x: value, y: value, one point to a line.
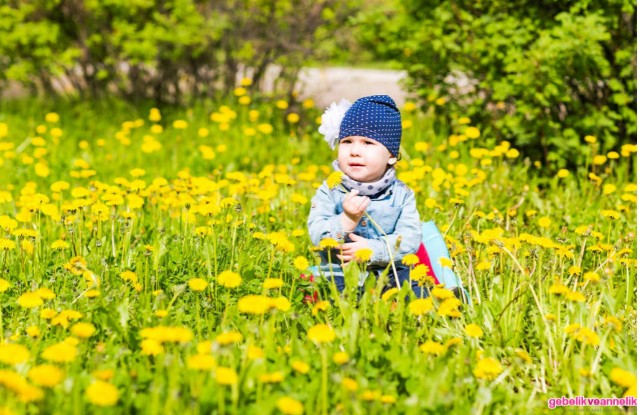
x: 163, y: 231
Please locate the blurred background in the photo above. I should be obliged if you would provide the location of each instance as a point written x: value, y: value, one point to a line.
x: 540, y: 75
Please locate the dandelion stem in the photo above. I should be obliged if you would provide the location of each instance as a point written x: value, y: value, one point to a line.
x: 391, y: 254
x: 325, y: 380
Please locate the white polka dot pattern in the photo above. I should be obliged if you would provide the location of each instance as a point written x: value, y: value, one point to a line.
x: 376, y: 117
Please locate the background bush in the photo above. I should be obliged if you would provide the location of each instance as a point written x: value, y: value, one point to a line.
x: 163, y: 49
x: 542, y: 75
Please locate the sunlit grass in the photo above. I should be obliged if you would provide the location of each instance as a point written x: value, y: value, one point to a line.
x: 157, y: 260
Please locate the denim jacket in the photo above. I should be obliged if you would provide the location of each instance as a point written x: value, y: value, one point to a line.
x: 393, y: 209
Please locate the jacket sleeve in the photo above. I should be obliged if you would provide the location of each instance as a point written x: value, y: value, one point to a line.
x: 323, y: 220
x: 408, y: 228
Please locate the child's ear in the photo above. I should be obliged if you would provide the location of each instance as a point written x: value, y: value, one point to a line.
x: 392, y: 161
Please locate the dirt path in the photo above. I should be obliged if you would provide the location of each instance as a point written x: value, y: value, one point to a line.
x: 326, y: 85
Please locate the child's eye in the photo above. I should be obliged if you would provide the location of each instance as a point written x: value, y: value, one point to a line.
x: 346, y: 141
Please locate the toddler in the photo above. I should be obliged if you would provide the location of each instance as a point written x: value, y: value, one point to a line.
x: 368, y: 136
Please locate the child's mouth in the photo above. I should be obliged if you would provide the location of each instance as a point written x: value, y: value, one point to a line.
x: 356, y: 165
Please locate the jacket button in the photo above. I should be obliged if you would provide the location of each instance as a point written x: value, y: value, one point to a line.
x: 364, y: 222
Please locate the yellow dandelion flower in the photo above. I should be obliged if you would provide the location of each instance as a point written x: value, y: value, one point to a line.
x: 487, y: 368
x: 389, y: 294
x: 33, y: 331
x: 599, y: 160
x: 229, y: 279
x: 607, y: 189
x: 46, y: 375
x: 62, y: 352
x: 575, y: 270
x: 321, y: 333
x: 575, y: 296
x: 254, y: 304
x: 614, y: 322
x: 151, y: 347
x: 622, y: 377
x: 92, y: 293
x: 349, y: 384
x: 587, y: 336
x: 300, y: 367
x: 52, y: 117
x: 281, y: 303
x: 445, y: 262
x: 30, y: 300
x: 334, y: 179
x: 229, y: 337
x: 12, y: 354
x: 558, y: 288
x: 420, y: 273
x: 204, y: 347
x: 591, y: 276
x: 167, y: 334
x: 272, y: 283
x: 59, y: 245
x: 83, y: 330
x: 226, y: 376
x: 102, y: 393
x: 442, y: 293
x: 410, y: 259
x: 290, y: 406
x: 340, y: 358
x: 320, y: 306
x: 473, y: 330
x: 449, y: 308
x: 389, y: 399
x: 4, y: 285
x: 610, y: 214
x: 363, y: 255
x: 433, y: 348
x: 45, y: 293
x: 301, y: 263
x: 7, y: 244
x: 129, y: 276
x: 293, y: 118
x: 203, y: 362
x: 180, y: 124
x: 472, y: 132
x: 483, y: 266
x: 544, y: 222
x: 254, y: 352
x: 421, y: 306
x: 370, y: 395
x: 198, y: 284
x: 328, y: 243
x: 275, y: 377
x: 522, y: 354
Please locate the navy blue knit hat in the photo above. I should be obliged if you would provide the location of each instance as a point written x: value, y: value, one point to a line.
x: 376, y: 117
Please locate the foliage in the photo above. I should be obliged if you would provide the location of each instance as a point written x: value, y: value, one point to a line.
x: 162, y: 49
x: 125, y: 231
x: 541, y: 75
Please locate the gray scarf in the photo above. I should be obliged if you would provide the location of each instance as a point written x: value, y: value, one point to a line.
x: 367, y: 188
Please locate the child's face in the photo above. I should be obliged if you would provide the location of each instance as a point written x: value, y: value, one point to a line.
x: 363, y: 159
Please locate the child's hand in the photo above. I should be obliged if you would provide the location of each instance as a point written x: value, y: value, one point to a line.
x: 348, y: 250
x: 354, y: 206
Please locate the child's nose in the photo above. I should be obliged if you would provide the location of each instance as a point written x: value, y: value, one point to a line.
x: 355, y: 149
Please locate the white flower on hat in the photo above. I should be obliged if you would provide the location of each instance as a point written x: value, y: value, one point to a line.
x: 331, y: 120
